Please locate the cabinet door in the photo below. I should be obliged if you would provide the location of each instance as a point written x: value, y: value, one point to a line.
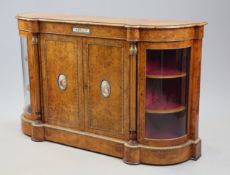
x: 163, y: 92
x: 106, y: 87
x: 61, y: 65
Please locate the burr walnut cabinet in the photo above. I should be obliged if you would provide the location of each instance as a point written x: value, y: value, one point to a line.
x: 128, y: 88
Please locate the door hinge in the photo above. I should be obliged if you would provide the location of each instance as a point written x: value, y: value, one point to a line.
x: 34, y: 40
x: 133, y: 50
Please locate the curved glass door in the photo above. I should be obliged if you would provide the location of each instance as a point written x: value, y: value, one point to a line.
x: 166, y: 93
x: 25, y: 69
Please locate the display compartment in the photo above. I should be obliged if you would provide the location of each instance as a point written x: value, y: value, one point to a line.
x: 165, y: 126
x: 166, y: 63
x: 25, y: 70
x: 166, y: 93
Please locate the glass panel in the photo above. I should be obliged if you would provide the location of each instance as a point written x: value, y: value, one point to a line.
x: 25, y: 69
x: 165, y: 126
x: 166, y: 93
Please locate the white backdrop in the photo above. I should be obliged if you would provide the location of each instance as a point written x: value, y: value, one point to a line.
x: 18, y: 155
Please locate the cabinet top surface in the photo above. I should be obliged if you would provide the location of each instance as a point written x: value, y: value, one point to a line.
x: 108, y: 21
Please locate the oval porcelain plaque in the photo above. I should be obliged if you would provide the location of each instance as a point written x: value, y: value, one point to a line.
x: 62, y: 82
x: 105, y: 88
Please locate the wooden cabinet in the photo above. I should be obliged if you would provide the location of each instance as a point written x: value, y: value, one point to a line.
x: 123, y: 87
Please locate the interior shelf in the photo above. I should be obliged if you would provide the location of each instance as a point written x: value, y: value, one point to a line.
x: 165, y: 111
x: 175, y: 74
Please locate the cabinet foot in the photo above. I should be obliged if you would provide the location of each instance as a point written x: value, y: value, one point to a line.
x: 196, y: 151
x: 131, y: 154
x: 37, y: 134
